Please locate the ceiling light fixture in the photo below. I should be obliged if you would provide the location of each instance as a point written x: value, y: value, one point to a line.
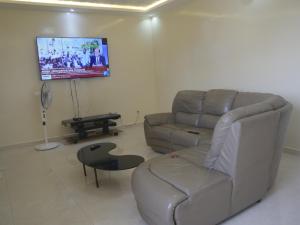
x: 90, y: 5
x: 155, y: 4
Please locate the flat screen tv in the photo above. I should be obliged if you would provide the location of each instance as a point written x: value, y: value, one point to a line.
x: 71, y: 58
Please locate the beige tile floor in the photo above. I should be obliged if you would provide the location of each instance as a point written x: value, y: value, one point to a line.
x: 49, y: 188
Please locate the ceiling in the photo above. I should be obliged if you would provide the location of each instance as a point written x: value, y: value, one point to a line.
x: 119, y: 5
x: 121, y: 2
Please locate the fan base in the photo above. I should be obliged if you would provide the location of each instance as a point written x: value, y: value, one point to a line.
x: 47, y: 146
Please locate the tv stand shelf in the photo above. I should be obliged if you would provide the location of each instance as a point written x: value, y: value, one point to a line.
x: 82, y: 126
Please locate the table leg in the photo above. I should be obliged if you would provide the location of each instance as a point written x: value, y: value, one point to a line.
x: 105, y: 128
x: 97, y: 184
x: 84, y: 170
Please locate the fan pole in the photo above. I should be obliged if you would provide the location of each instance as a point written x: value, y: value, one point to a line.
x: 44, y: 121
x: 46, y: 98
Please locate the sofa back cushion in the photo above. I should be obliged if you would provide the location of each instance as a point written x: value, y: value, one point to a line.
x: 215, y: 104
x: 187, y: 107
x: 208, y: 121
x: 188, y: 102
x: 218, y: 102
x: 204, y: 109
x: 224, y: 125
x: 249, y: 98
x: 285, y: 114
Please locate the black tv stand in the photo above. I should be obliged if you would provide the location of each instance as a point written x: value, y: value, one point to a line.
x: 83, y: 125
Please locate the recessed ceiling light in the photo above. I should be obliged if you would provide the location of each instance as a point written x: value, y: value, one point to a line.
x: 90, y: 5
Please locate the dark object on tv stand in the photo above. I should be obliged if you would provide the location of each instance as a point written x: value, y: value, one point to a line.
x: 83, y: 125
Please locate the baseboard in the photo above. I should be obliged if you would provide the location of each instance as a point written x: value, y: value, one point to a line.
x: 52, y: 139
x: 292, y: 151
x: 129, y: 125
x: 33, y: 142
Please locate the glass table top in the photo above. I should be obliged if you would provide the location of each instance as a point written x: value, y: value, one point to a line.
x: 97, y: 156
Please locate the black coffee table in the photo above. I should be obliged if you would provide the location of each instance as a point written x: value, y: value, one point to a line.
x: 97, y: 156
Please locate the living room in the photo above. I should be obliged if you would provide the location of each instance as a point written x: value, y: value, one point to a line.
x: 156, y: 49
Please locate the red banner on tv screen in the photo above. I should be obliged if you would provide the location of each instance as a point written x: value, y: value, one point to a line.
x: 56, y: 74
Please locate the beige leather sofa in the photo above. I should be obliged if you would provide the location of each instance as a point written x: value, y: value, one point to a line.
x: 229, y: 145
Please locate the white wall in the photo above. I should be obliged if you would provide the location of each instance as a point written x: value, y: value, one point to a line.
x: 248, y: 45
x: 131, y: 86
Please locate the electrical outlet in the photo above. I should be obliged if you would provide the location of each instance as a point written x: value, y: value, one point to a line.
x: 137, y: 116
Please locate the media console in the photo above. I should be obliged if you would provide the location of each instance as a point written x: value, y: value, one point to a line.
x: 83, y: 125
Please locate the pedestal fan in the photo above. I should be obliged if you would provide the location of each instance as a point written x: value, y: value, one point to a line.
x: 46, y: 100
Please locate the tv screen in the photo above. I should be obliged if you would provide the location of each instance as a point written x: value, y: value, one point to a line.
x: 70, y: 58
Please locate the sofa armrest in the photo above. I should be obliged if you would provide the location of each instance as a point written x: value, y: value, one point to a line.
x: 160, y: 118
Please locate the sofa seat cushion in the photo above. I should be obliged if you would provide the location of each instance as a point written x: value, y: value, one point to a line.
x: 184, y: 138
x: 156, y: 199
x: 160, y: 118
x: 185, y: 176
x: 190, y: 119
x: 181, y: 135
x: 189, y: 136
x: 171, y: 190
x: 162, y: 133
x: 164, y: 146
x: 194, y: 155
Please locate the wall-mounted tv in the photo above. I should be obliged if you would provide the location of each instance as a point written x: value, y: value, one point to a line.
x: 71, y: 58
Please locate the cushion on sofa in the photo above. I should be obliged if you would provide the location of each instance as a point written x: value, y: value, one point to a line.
x: 172, y: 191
x: 194, y: 155
x: 276, y: 102
x: 188, y: 101
x: 183, y: 175
x: 188, y: 135
x: 208, y: 121
x: 218, y: 102
x: 181, y: 135
x: 229, y: 118
x: 162, y: 146
x: 180, y: 126
x: 162, y: 133
x: 160, y: 118
x: 191, y: 119
x: 249, y: 98
x: 184, y: 138
x: 156, y: 199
